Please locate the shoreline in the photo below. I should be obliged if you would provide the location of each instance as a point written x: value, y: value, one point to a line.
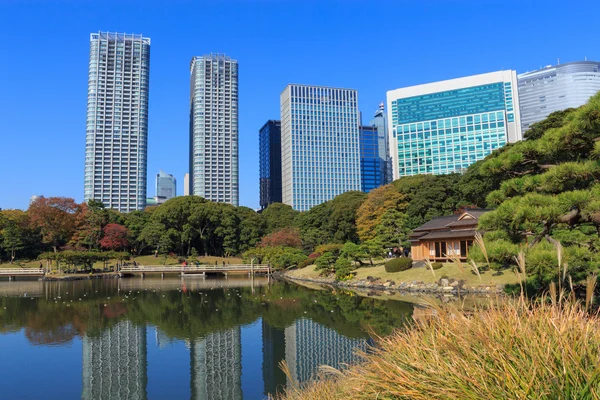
x: 443, y: 286
x: 104, y: 275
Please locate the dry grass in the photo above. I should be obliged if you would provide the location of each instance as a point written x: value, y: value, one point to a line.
x: 511, y: 350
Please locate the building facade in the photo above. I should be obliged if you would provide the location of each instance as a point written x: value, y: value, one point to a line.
x: 372, y: 167
x: 117, y: 120
x: 186, y: 184
x: 214, y: 128
x: 443, y: 127
x: 380, y: 122
x: 269, y: 139
x: 555, y: 88
x: 166, y: 185
x: 320, y: 153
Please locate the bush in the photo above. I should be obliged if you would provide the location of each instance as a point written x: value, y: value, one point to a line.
x: 343, y: 268
x: 307, y: 262
x: 437, y: 265
x: 326, y: 261
x: 398, y: 264
x: 333, y: 248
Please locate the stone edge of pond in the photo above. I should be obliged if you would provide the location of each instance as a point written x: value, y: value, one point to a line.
x: 449, y: 286
x: 52, y: 278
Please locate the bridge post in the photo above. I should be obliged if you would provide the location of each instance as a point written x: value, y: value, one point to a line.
x: 162, y: 275
x: 143, y: 275
x: 10, y: 278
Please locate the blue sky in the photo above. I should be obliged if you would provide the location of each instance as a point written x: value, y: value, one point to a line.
x: 371, y: 46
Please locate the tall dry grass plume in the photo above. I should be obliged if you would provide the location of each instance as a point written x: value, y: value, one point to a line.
x: 510, y: 350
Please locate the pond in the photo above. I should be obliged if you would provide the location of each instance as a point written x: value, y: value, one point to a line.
x: 198, y: 338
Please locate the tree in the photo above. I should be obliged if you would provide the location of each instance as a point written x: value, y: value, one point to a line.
x: 369, y: 214
x: 55, y: 218
x: 373, y: 248
x: 114, y: 237
x: 278, y: 216
x: 11, y: 239
x: 288, y: 237
x: 393, y: 229
x: 352, y: 251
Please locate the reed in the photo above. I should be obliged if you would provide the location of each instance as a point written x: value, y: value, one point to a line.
x: 509, y: 350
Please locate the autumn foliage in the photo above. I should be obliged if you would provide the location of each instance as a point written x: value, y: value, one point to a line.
x: 115, y: 237
x: 286, y: 237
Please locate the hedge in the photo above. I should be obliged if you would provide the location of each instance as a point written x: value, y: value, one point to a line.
x: 398, y: 264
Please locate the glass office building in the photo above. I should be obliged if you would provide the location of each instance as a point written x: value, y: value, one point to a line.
x: 320, y: 154
x: 372, y: 167
x: 443, y: 127
x: 117, y: 120
x: 214, y: 128
x: 375, y: 161
x: 166, y: 185
x: 555, y: 88
x: 269, y: 139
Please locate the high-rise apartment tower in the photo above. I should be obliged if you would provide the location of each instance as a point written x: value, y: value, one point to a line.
x: 555, y: 88
x: 443, y: 127
x: 320, y: 155
x: 214, y: 128
x: 117, y: 120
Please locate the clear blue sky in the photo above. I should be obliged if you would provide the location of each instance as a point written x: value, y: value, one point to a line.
x: 372, y: 46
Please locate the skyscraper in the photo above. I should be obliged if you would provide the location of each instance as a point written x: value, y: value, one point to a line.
x: 166, y: 185
x: 443, y: 127
x: 117, y: 120
x: 555, y: 88
x: 269, y: 138
x: 380, y: 122
x: 375, y: 162
x: 214, y: 128
x: 186, y: 184
x: 320, y: 155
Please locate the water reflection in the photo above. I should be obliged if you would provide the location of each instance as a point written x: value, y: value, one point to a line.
x: 118, y: 320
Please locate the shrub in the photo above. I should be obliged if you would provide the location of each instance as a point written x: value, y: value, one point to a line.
x: 307, y: 262
x: 314, y: 255
x: 437, y: 265
x: 333, y: 248
x: 398, y: 264
x: 326, y: 261
x: 343, y: 267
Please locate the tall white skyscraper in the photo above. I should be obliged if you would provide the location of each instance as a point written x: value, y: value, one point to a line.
x: 214, y: 128
x: 320, y: 154
x: 117, y: 120
x: 186, y: 184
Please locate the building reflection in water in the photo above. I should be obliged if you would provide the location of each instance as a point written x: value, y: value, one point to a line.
x: 114, y: 363
x: 216, y: 366
x: 309, y: 345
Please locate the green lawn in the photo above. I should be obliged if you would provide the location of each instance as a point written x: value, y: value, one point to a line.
x: 449, y: 270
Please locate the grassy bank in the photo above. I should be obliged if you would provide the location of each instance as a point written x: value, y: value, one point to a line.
x: 449, y: 270
x: 508, y: 351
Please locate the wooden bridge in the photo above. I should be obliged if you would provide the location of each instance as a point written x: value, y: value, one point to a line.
x: 11, y: 273
x: 195, y: 269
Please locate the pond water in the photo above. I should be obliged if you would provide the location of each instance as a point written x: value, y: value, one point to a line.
x: 178, y: 338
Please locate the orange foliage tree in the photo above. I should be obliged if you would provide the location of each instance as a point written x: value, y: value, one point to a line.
x: 371, y: 211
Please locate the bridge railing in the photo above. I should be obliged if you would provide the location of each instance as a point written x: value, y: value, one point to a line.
x: 195, y: 268
x: 21, y: 271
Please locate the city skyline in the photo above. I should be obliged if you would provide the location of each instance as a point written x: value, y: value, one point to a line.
x: 54, y: 137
